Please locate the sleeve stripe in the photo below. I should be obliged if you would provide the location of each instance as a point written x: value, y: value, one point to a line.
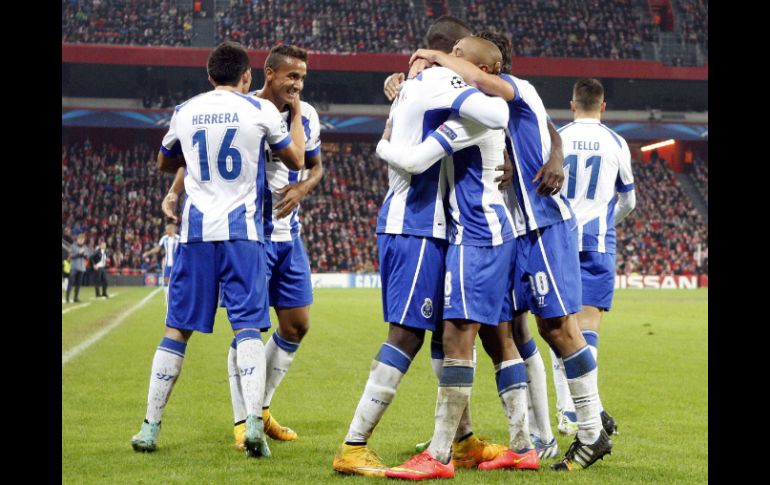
x: 459, y: 100
x: 281, y: 144
x: 442, y: 141
x: 625, y: 188
x: 173, y: 152
x: 516, y: 94
x: 315, y: 151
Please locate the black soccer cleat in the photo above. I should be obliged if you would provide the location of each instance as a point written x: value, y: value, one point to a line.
x: 580, y: 455
x: 609, y: 424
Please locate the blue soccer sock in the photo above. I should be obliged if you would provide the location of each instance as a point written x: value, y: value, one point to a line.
x: 592, y: 340
x: 166, y: 366
x: 388, y: 368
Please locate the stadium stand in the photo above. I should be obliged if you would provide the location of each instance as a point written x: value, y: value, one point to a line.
x: 127, y: 22
x: 115, y: 194
x: 701, y: 176
x: 662, y: 235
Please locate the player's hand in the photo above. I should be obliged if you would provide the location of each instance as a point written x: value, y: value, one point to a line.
x: 169, y: 206
x: 386, y: 133
x: 296, y: 105
x: 552, y: 175
x: 292, y: 194
x: 393, y: 85
x: 428, y: 54
x: 417, y: 67
x: 505, y: 180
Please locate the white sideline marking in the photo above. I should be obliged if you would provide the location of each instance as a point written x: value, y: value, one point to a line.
x: 78, y: 349
x: 81, y: 305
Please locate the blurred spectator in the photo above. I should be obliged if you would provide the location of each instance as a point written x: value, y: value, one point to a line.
x: 701, y: 176
x: 692, y: 20
x: 663, y: 233
x: 128, y: 22
x: 115, y: 194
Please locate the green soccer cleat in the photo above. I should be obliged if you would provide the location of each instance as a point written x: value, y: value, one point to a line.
x: 420, y: 447
x: 255, y: 440
x: 145, y: 439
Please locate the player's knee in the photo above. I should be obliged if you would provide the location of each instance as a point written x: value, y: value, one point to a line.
x: 409, y: 340
x: 295, y: 331
x: 520, y: 329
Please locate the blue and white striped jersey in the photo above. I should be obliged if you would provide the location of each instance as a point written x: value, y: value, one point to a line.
x: 529, y: 147
x: 478, y: 213
x: 222, y: 135
x: 169, y: 245
x: 414, y: 204
x: 597, y: 165
x: 279, y: 176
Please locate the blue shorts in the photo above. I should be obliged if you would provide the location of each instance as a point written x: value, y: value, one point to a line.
x: 411, y: 270
x: 202, y: 269
x: 288, y: 274
x: 548, y: 270
x: 477, y: 282
x: 597, y: 272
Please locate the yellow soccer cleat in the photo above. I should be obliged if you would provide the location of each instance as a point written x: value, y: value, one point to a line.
x: 239, y: 432
x: 472, y: 451
x: 275, y: 430
x: 358, y: 460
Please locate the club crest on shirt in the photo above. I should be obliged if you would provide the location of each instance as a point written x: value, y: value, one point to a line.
x: 427, y: 308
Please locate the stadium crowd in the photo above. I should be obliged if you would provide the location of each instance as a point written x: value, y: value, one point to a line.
x: 326, y: 25
x: 115, y: 194
x: 701, y: 176
x: 126, y: 22
x: 662, y: 234
x: 692, y: 19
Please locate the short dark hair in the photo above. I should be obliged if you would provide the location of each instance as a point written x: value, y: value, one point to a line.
x: 279, y: 52
x: 227, y: 63
x: 588, y: 94
x: 444, y: 33
x: 502, y: 43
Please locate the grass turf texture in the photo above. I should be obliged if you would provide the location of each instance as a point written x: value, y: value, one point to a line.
x: 653, y: 353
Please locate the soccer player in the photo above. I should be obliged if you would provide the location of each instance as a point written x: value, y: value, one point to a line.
x: 221, y: 134
x: 169, y: 243
x: 600, y: 188
x: 537, y: 386
x: 547, y: 236
x: 288, y: 268
x: 411, y: 237
x: 479, y: 257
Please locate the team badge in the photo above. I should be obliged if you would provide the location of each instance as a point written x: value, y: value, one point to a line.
x: 427, y: 308
x: 449, y: 132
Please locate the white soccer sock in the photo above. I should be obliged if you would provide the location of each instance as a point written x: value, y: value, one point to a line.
x: 388, y: 369
x: 454, y: 395
x: 279, y: 354
x: 511, y: 377
x: 592, y: 340
x: 437, y: 363
x: 166, y: 366
x: 581, y: 378
x: 537, y: 390
x: 563, y: 399
x: 236, y: 396
x: 250, y: 357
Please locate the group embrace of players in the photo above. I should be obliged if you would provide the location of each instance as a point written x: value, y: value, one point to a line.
x: 477, y: 228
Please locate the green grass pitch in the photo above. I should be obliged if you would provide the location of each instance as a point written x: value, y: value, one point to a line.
x: 653, y: 360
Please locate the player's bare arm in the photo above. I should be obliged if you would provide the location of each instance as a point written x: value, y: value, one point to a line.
x: 552, y: 172
x: 294, y: 193
x: 392, y: 85
x: 171, y: 199
x: 169, y: 164
x: 294, y: 154
x: 505, y: 180
x: 490, y: 84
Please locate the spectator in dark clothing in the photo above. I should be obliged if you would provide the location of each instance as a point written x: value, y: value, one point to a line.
x: 78, y: 256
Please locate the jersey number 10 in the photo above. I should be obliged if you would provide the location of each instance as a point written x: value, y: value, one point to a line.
x: 228, y: 171
x: 593, y: 163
